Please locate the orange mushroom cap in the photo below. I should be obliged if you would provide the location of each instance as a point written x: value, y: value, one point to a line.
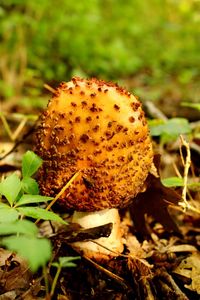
x: 99, y: 129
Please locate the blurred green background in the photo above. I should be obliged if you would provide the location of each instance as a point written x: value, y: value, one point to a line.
x: 152, y: 47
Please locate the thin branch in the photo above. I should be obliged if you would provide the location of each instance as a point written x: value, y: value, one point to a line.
x: 19, y: 128
x: 178, y: 174
x: 19, y: 142
x: 186, y: 163
x: 154, y: 111
x: 49, y: 88
x: 13, y: 135
x: 6, y: 126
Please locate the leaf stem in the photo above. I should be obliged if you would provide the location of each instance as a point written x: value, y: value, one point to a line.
x: 46, y: 280
x: 55, y: 280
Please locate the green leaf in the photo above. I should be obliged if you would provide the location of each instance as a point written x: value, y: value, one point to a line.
x: 30, y: 186
x: 39, y: 213
x: 8, y: 214
x: 194, y: 186
x: 10, y: 188
x: 156, y: 127
x: 36, y: 251
x: 19, y: 226
x: 28, y: 199
x: 177, y: 126
x: 55, y: 264
x: 170, y: 129
x: 172, y: 181
x: 30, y: 163
x: 192, y: 105
x: 177, y: 181
x: 67, y: 261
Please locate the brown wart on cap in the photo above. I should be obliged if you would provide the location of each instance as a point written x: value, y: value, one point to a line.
x: 71, y: 130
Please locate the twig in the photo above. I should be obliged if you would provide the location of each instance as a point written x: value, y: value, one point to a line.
x: 186, y: 163
x: 178, y: 174
x: 168, y: 285
x: 17, y: 143
x: 49, y: 88
x: 13, y: 136
x: 154, y: 111
x: 6, y: 126
x: 195, y: 147
x: 17, y: 117
x: 19, y: 128
x: 195, y: 125
x: 143, y: 261
x: 117, y: 278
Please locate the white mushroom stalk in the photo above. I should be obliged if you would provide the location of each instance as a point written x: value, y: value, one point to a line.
x: 104, y: 246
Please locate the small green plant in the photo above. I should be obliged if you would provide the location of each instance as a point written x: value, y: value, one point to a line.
x: 63, y: 262
x: 22, y: 195
x: 19, y: 199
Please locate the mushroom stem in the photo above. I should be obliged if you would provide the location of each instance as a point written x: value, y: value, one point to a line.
x: 112, y: 245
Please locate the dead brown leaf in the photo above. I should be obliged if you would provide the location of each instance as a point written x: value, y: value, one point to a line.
x: 14, y: 272
x: 190, y: 268
x: 154, y: 202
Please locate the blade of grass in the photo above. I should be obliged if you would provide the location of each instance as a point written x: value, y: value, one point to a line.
x: 63, y: 190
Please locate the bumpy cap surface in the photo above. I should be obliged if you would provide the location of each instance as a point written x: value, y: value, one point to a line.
x: 100, y: 129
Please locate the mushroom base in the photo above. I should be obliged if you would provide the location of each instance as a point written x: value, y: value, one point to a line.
x: 107, y: 246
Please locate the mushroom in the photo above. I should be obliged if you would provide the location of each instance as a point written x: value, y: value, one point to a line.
x: 99, y: 129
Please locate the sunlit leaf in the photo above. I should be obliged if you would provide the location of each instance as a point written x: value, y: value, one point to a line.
x: 10, y: 188
x: 39, y: 213
x: 30, y: 163
x: 28, y: 199
x: 67, y: 261
x: 194, y: 186
x: 8, y: 214
x: 172, y: 181
x: 192, y: 105
x: 30, y: 186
